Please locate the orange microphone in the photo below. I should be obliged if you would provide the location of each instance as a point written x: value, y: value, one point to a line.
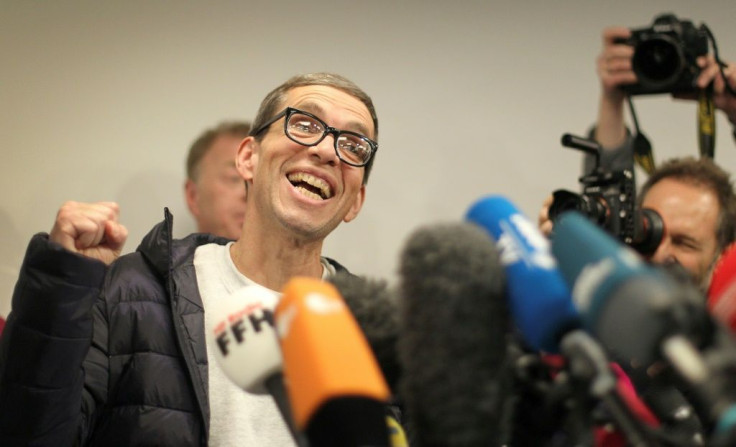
x: 337, y: 393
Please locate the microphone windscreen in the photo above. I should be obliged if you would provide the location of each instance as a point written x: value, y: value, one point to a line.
x: 243, y: 331
x: 539, y: 298
x: 452, y: 341
x: 375, y: 308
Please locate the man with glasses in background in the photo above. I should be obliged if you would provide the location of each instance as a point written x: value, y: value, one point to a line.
x: 108, y: 350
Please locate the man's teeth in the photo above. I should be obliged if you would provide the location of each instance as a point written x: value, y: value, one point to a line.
x: 308, y: 193
x: 301, y: 177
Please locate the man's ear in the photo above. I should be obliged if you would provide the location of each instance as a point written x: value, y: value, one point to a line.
x: 247, y: 158
x: 357, y: 205
x: 190, y: 193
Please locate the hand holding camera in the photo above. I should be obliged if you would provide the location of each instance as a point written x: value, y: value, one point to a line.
x: 721, y: 82
x: 614, y: 63
x: 670, y: 56
x: 665, y: 55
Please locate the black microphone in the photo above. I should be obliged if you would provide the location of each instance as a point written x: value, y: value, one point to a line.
x: 452, y: 342
x: 375, y: 308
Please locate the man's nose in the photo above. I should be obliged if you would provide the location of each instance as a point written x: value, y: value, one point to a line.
x: 325, y: 150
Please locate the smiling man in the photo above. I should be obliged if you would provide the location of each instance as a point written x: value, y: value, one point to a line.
x: 303, y: 177
x: 119, y: 348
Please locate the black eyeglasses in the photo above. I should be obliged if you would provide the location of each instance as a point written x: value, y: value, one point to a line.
x: 304, y: 128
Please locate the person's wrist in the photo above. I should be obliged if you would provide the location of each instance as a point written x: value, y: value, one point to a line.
x: 613, y: 96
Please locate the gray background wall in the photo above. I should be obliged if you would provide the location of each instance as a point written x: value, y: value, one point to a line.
x: 99, y: 101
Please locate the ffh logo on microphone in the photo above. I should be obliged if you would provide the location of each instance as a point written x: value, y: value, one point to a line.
x: 236, y: 325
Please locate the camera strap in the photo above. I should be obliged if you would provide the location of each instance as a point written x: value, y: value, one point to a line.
x: 706, y: 123
x: 643, y: 154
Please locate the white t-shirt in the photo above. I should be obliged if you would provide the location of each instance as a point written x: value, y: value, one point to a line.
x: 237, y: 418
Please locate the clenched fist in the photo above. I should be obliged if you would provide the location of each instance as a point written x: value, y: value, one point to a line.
x: 90, y: 229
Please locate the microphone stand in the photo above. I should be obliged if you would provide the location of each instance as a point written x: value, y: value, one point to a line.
x: 587, y: 362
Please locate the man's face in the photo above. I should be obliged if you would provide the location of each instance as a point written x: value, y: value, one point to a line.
x: 307, y: 190
x: 690, y: 215
x: 217, y: 198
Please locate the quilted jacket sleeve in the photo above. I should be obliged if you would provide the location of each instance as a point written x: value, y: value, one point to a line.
x: 50, y: 380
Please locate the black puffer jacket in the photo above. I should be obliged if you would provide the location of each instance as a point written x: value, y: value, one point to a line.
x: 106, y: 356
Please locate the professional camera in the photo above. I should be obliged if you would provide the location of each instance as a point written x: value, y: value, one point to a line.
x: 609, y: 200
x: 665, y: 54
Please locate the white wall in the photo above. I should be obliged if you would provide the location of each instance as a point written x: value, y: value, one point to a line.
x: 99, y: 101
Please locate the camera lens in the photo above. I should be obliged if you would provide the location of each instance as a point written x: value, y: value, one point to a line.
x: 592, y: 207
x: 563, y: 201
x: 657, y: 61
x: 648, y: 231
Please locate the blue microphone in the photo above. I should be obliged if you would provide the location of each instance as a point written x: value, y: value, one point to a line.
x: 539, y: 299
x: 621, y: 299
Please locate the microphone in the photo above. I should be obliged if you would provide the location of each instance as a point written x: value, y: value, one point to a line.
x: 627, y: 304
x: 722, y: 289
x: 543, y: 310
x: 538, y: 296
x: 375, y: 309
x: 336, y: 391
x: 247, y: 348
x: 452, y: 342
x: 643, y: 317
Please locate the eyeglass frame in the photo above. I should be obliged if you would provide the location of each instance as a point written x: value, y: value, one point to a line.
x: 328, y: 130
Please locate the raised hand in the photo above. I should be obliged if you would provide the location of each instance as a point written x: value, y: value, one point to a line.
x: 614, y: 62
x: 90, y: 229
x: 711, y: 73
x: 614, y: 70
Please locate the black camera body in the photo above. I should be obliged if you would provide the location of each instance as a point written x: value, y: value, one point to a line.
x: 609, y: 200
x: 665, y: 56
x: 605, y: 200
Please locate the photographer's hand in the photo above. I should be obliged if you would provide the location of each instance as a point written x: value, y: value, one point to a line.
x: 614, y: 63
x: 543, y: 220
x: 711, y: 73
x: 614, y: 69
x: 722, y: 98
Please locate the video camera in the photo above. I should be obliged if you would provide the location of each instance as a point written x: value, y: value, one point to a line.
x: 609, y: 200
x: 665, y: 55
